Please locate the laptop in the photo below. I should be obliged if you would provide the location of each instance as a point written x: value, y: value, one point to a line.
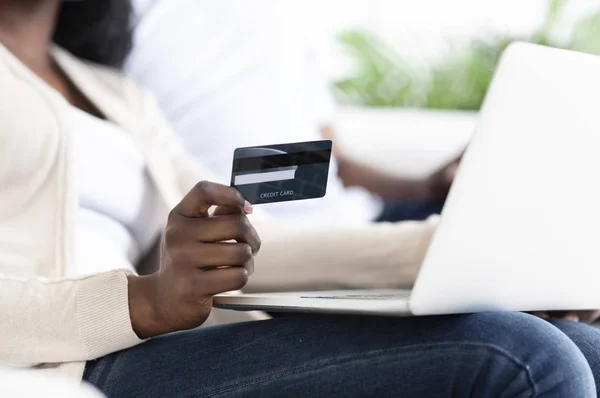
x: 520, y: 230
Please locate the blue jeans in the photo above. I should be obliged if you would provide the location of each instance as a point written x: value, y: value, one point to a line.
x: 410, y: 210
x: 477, y: 355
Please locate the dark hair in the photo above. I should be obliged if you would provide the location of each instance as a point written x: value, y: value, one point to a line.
x: 100, y: 31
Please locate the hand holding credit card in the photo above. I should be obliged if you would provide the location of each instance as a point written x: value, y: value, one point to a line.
x: 280, y: 173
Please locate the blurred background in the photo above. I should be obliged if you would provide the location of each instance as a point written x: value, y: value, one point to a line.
x: 414, y: 73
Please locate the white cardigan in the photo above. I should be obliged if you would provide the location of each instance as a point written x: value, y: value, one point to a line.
x: 49, y: 321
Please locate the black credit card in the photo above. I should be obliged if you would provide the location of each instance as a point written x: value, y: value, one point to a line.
x: 280, y: 173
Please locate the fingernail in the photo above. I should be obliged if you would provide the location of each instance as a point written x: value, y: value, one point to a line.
x: 573, y: 318
x: 248, y: 208
x: 249, y: 270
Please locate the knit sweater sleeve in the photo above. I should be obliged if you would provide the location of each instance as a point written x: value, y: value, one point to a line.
x: 65, y: 320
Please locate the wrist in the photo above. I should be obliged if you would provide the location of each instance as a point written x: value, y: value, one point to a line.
x: 142, y: 309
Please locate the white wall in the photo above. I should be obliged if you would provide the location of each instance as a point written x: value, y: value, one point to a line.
x: 420, y: 27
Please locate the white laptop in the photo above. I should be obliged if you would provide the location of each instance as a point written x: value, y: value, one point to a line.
x: 521, y: 226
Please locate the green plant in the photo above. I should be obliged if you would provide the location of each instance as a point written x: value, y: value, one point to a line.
x: 385, y: 78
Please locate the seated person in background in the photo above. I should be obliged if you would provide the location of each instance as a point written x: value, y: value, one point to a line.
x: 89, y: 168
x: 228, y: 75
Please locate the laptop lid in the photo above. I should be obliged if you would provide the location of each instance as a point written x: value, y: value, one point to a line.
x: 521, y: 226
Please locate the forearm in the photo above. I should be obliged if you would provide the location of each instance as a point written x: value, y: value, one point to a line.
x: 386, y: 186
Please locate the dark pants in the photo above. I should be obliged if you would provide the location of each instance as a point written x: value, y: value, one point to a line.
x: 410, y: 210
x: 477, y: 355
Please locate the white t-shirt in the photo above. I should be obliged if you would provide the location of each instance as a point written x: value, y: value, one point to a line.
x: 233, y: 73
x: 120, y: 214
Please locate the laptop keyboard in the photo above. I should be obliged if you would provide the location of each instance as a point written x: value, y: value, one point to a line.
x: 394, y: 296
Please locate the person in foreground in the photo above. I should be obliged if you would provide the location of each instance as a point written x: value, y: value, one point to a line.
x: 81, y: 146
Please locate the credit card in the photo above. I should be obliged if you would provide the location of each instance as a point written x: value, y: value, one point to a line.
x: 280, y: 173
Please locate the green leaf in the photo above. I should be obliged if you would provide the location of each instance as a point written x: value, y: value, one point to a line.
x: 586, y: 35
x: 459, y: 81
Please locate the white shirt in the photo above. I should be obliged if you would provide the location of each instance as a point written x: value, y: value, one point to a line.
x: 120, y: 214
x: 232, y: 73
